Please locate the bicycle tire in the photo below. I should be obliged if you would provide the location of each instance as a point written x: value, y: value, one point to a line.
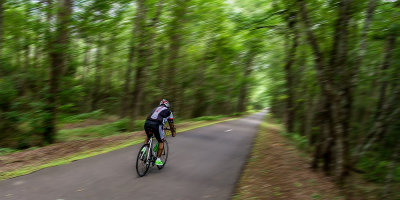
x: 142, y: 164
x: 164, y: 155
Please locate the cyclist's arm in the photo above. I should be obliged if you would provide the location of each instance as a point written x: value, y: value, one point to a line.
x: 172, y: 127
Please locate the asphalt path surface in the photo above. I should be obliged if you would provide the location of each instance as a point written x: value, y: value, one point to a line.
x: 203, y: 163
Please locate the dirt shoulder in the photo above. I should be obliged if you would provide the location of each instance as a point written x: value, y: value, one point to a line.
x: 276, y: 170
x: 45, y: 154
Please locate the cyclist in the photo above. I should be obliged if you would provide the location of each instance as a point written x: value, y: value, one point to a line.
x: 154, y: 125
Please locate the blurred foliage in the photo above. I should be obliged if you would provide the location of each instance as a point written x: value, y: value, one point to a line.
x: 209, y: 58
x: 372, y: 54
x: 209, y: 74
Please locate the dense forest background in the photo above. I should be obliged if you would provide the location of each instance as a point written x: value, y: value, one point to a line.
x: 329, y: 70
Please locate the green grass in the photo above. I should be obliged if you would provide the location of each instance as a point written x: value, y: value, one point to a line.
x: 300, y: 141
x: 216, y: 117
x: 208, y: 118
x: 4, y: 151
x: 316, y: 196
x: 97, y: 131
x: 64, y: 119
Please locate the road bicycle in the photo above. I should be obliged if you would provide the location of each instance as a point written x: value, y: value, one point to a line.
x: 148, y: 154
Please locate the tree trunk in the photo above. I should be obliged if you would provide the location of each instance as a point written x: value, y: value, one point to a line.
x: 58, y: 49
x: 342, y: 105
x: 3, y: 123
x: 27, y: 41
x: 324, y: 136
x: 25, y: 84
x: 97, y: 89
x: 153, y: 26
x: 26, y: 50
x: 390, y: 46
x: 290, y: 109
x: 1, y: 33
x: 85, y: 63
x: 384, y: 108
x: 340, y: 108
x: 387, y: 192
x: 363, y: 40
x: 142, y: 62
x: 200, y: 98
x: 175, y: 38
x: 125, y: 100
x: 161, y: 71
x: 146, y: 36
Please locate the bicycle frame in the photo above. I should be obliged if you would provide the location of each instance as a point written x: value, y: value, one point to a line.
x: 150, y: 149
x: 149, y: 159
x: 150, y: 142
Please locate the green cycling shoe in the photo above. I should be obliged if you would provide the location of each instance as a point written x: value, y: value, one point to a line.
x: 159, y: 162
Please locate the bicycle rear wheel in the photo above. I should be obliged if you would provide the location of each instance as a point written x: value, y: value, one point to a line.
x: 142, y: 163
x: 164, y: 155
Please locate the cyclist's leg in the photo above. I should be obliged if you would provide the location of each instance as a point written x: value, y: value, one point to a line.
x: 160, y: 145
x: 159, y: 134
x: 160, y: 141
x: 149, y: 131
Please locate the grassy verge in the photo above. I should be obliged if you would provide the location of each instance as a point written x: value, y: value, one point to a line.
x: 293, y: 151
x: 186, y: 125
x: 97, y: 114
x: 97, y: 131
x: 5, y: 151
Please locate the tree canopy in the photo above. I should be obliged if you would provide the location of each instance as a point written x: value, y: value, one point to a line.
x: 329, y: 70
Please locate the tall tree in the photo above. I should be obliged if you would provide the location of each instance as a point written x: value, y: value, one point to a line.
x: 338, y: 109
x: 292, y: 27
x: 1, y: 32
x: 97, y: 74
x: 58, y: 55
x: 175, y: 37
x: 385, y: 109
x: 142, y: 61
x: 129, y: 67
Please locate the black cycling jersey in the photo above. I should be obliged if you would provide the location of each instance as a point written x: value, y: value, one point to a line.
x: 155, y: 121
x: 160, y: 114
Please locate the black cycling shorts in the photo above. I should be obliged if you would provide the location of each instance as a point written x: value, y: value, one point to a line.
x: 154, y: 128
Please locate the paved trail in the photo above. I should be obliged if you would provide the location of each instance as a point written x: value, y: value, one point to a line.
x: 203, y: 163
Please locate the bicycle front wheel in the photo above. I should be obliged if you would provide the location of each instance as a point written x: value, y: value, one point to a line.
x: 142, y: 161
x: 164, y: 155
